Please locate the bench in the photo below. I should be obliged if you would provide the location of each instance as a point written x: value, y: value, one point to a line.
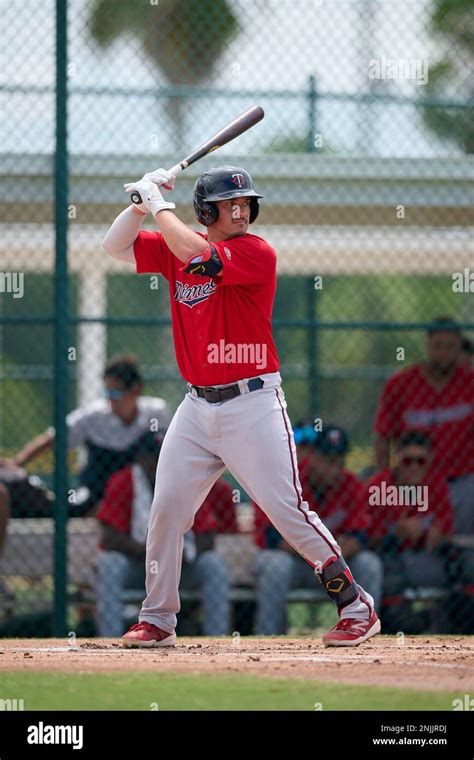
x: 29, y: 548
x: 29, y: 553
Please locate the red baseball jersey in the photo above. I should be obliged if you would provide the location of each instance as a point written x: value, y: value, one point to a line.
x: 341, y: 508
x: 217, y: 512
x: 384, y: 517
x: 409, y: 402
x: 221, y: 504
x: 221, y: 325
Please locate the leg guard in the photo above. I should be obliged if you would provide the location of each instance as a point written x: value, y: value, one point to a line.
x: 339, y: 583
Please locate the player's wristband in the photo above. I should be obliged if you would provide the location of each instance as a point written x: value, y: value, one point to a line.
x: 160, y: 205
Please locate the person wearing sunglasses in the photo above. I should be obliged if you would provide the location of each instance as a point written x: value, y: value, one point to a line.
x: 411, y: 526
x: 109, y: 429
x: 334, y: 493
x: 305, y: 432
x: 435, y: 396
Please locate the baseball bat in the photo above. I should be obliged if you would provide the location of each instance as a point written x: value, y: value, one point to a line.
x: 241, y: 124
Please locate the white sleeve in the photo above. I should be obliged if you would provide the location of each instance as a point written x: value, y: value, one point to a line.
x: 77, y: 427
x: 122, y: 233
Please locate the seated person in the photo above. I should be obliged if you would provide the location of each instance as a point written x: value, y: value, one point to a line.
x: 436, y: 397
x: 221, y: 505
x: 411, y: 524
x: 20, y: 495
x: 109, y: 428
x: 335, y: 495
x: 123, y: 517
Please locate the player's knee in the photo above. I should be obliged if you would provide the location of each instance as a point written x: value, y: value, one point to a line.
x: 162, y: 515
x: 169, y: 508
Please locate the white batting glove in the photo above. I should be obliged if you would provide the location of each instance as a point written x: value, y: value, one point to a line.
x: 162, y: 178
x: 152, y: 199
x: 141, y: 207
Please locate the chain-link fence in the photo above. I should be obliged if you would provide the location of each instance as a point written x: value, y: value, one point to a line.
x: 364, y: 160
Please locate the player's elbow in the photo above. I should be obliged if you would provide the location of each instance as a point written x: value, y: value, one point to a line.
x: 108, y: 245
x: 122, y: 254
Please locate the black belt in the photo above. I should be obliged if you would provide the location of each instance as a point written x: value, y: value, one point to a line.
x: 214, y: 395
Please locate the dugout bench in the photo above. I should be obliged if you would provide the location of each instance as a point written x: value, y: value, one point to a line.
x: 29, y: 554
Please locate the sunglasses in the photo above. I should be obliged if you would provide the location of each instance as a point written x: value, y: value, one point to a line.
x: 114, y: 394
x: 408, y: 461
x: 304, y: 435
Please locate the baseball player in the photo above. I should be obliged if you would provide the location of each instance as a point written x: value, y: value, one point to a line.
x: 222, y: 286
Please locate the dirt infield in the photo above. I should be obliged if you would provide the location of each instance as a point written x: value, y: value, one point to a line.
x: 420, y: 662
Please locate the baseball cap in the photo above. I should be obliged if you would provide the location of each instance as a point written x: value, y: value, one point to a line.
x: 332, y: 440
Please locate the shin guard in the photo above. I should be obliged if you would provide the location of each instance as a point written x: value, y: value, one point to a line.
x: 338, y: 583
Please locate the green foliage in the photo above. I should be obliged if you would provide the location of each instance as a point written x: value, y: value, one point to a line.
x: 184, y: 38
x: 453, y: 20
x: 25, y: 411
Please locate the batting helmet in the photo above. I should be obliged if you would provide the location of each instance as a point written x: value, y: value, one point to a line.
x: 220, y: 184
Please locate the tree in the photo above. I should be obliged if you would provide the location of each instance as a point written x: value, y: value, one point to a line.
x: 453, y: 74
x: 184, y: 38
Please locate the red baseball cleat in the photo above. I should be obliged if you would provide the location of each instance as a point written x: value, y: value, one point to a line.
x: 148, y: 635
x: 351, y: 632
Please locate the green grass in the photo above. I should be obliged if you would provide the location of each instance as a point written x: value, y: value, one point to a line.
x: 173, y: 691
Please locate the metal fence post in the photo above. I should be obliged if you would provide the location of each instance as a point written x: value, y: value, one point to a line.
x: 312, y: 114
x: 60, y: 324
x: 312, y: 347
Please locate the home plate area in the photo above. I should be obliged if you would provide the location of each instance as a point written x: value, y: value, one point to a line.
x: 423, y: 662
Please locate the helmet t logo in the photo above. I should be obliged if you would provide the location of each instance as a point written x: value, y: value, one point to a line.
x: 238, y: 179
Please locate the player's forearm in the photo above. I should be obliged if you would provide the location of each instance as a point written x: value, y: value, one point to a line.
x: 382, y: 451
x: 183, y: 242
x: 33, y: 448
x: 122, y: 233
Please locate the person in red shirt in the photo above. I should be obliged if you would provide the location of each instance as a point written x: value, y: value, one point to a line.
x: 222, y: 287
x: 123, y: 517
x: 221, y: 504
x: 411, y: 524
x: 335, y: 493
x: 435, y: 397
